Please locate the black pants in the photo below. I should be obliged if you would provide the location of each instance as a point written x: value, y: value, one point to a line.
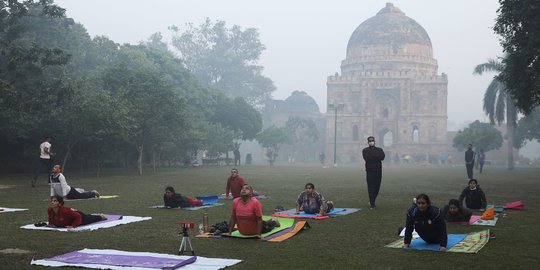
x: 40, y: 163
x: 373, y: 185
x: 88, y: 219
x: 74, y: 194
x: 470, y: 170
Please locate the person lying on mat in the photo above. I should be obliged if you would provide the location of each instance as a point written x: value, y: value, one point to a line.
x: 474, y: 196
x: 171, y: 199
x: 312, y: 202
x: 65, y: 217
x: 234, y: 184
x: 427, y: 221
x: 455, y: 212
x: 59, y: 186
x: 246, y: 214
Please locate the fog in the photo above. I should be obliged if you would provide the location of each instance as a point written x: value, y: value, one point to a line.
x: 306, y: 40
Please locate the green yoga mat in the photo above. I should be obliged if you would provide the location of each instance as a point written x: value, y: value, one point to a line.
x: 284, y: 222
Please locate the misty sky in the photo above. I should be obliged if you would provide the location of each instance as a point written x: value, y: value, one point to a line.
x: 307, y: 40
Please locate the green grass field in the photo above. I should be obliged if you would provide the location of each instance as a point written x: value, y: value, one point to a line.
x: 355, y: 241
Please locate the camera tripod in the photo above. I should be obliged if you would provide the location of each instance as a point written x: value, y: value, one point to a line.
x: 185, y: 242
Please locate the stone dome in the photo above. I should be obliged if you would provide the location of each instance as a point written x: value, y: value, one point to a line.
x: 301, y: 101
x: 388, y: 36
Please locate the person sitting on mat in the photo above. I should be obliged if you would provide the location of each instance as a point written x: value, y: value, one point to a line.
x: 474, y: 196
x: 65, y: 217
x: 312, y: 202
x: 246, y: 214
x: 427, y: 221
x: 455, y: 212
x: 60, y: 187
x: 171, y: 199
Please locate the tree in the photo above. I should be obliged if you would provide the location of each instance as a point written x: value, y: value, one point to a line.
x: 480, y: 135
x: 239, y: 116
x: 302, y: 134
x: 272, y: 138
x: 528, y: 128
x: 225, y: 59
x: 517, y: 24
x: 498, y: 103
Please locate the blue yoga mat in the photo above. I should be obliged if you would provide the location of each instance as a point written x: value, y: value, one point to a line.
x: 420, y: 244
x: 208, y: 199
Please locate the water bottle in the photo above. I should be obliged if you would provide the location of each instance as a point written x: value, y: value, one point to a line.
x: 205, y: 222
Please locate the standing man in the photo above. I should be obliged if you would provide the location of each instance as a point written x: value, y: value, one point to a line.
x: 234, y: 184
x: 45, y: 155
x: 236, y: 153
x: 469, y: 161
x: 373, y: 156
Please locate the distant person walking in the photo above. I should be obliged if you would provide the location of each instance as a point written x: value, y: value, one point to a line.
x: 322, y: 158
x: 469, y: 161
x: 45, y: 159
x: 236, y: 153
x: 481, y: 160
x: 373, y: 156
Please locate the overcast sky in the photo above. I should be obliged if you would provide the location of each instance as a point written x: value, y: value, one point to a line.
x: 306, y: 40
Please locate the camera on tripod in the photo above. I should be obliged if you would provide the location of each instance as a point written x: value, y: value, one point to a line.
x: 186, y: 226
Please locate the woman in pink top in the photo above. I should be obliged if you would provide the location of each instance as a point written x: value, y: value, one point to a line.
x: 247, y: 215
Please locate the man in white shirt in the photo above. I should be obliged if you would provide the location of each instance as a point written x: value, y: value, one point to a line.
x: 45, y: 155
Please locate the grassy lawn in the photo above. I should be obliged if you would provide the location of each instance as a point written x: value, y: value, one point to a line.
x: 355, y: 241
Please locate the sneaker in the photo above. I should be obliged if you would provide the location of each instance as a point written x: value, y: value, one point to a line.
x: 492, y: 235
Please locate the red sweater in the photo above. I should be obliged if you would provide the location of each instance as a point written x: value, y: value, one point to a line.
x: 65, y: 217
x: 235, y: 186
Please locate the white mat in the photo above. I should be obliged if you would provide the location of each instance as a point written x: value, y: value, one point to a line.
x: 90, y: 227
x: 5, y: 209
x: 201, y: 262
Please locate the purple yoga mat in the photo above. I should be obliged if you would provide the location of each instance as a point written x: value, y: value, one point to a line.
x: 123, y: 260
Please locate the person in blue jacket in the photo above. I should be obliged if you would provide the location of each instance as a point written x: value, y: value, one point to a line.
x: 428, y: 222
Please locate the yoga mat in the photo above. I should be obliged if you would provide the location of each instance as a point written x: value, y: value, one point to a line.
x: 259, y: 197
x: 284, y: 224
x: 193, y: 208
x: 288, y: 233
x: 201, y: 262
x: 476, y: 220
x: 335, y: 212
x: 153, y: 262
x: 518, y: 205
x: 463, y: 243
x: 112, y: 220
x: 5, y: 209
x: 208, y: 199
x: 100, y: 197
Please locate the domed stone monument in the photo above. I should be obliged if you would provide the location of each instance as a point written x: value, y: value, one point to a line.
x: 388, y: 88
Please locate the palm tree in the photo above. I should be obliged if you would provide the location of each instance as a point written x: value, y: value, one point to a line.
x: 498, y: 103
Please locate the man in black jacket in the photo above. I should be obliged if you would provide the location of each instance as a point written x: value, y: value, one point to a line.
x: 373, y: 156
x: 469, y: 161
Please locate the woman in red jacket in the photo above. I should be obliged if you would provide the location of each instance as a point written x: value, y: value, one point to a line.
x: 65, y: 217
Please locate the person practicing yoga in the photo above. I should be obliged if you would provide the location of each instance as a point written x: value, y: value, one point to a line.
x: 59, y: 186
x: 65, y: 217
x: 234, y: 184
x: 171, y: 199
x: 427, y: 221
x: 455, y: 212
x: 313, y: 202
x: 247, y: 215
x: 474, y: 196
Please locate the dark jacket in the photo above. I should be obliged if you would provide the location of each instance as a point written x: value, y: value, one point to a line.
x: 474, y: 199
x: 175, y: 201
x: 463, y: 214
x: 373, y: 156
x: 469, y: 156
x: 430, y: 226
